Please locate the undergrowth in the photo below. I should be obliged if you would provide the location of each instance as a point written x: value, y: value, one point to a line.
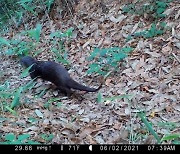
x: 102, y: 61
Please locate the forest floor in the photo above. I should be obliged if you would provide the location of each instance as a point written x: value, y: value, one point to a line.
x: 150, y: 76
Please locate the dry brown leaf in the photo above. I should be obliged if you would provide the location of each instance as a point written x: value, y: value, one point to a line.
x: 32, y: 128
x: 85, y: 132
x: 76, y: 140
x: 119, y: 19
x: 86, y: 44
x: 91, y: 139
x: 108, y: 81
x: 117, y: 125
x: 166, y: 50
x: 68, y: 132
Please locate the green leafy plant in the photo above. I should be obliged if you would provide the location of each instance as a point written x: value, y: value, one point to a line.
x: 27, y: 5
x: 150, y: 33
x: 26, y: 46
x: 149, y: 126
x: 17, y: 46
x: 155, y: 10
x: 170, y: 137
x: 35, y: 33
x: 48, y: 4
x: 152, y: 7
x: 10, y: 138
x: 7, y: 10
x: 32, y: 120
x: 10, y: 98
x: 13, y: 11
x: 58, y: 34
x: 16, y: 98
x: 57, y: 40
x: 107, y: 59
x: 170, y: 127
x: 6, y: 95
x: 22, y: 47
x: 25, y: 72
x: 3, y: 41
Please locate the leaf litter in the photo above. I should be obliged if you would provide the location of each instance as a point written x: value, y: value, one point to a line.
x: 151, y: 75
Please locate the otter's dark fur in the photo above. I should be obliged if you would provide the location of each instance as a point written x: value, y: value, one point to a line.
x: 55, y: 73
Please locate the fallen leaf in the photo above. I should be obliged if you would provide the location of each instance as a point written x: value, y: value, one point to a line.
x: 81, y: 111
x: 119, y: 19
x: 39, y: 113
x: 99, y: 139
x: 32, y: 128
x: 108, y: 81
x: 166, y: 50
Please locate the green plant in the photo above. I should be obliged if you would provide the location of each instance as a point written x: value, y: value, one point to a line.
x: 35, y: 7
x: 15, y: 11
x: 107, y: 59
x: 22, y: 47
x: 57, y: 39
x: 31, y: 41
x: 7, y: 10
x: 149, y: 126
x: 170, y: 137
x: 170, y: 127
x: 10, y: 138
x: 154, y: 31
x: 155, y: 8
x: 35, y: 33
x: 6, y: 95
x: 10, y: 98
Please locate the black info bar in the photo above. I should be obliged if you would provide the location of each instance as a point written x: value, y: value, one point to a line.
x: 93, y: 148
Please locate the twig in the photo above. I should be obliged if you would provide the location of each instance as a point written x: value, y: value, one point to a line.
x: 176, y: 57
x: 69, y: 8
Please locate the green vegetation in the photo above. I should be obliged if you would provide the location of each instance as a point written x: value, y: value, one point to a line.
x: 18, y: 9
x: 10, y: 98
x: 11, y: 138
x: 170, y: 137
x: 154, y: 31
x: 149, y: 126
x: 155, y: 8
x: 15, y: 13
x: 175, y: 138
x: 57, y: 40
x: 20, y: 47
x: 107, y: 59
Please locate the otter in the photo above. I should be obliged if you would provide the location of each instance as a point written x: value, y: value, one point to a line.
x: 55, y: 73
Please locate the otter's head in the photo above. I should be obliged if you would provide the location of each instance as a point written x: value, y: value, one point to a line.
x: 27, y: 61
